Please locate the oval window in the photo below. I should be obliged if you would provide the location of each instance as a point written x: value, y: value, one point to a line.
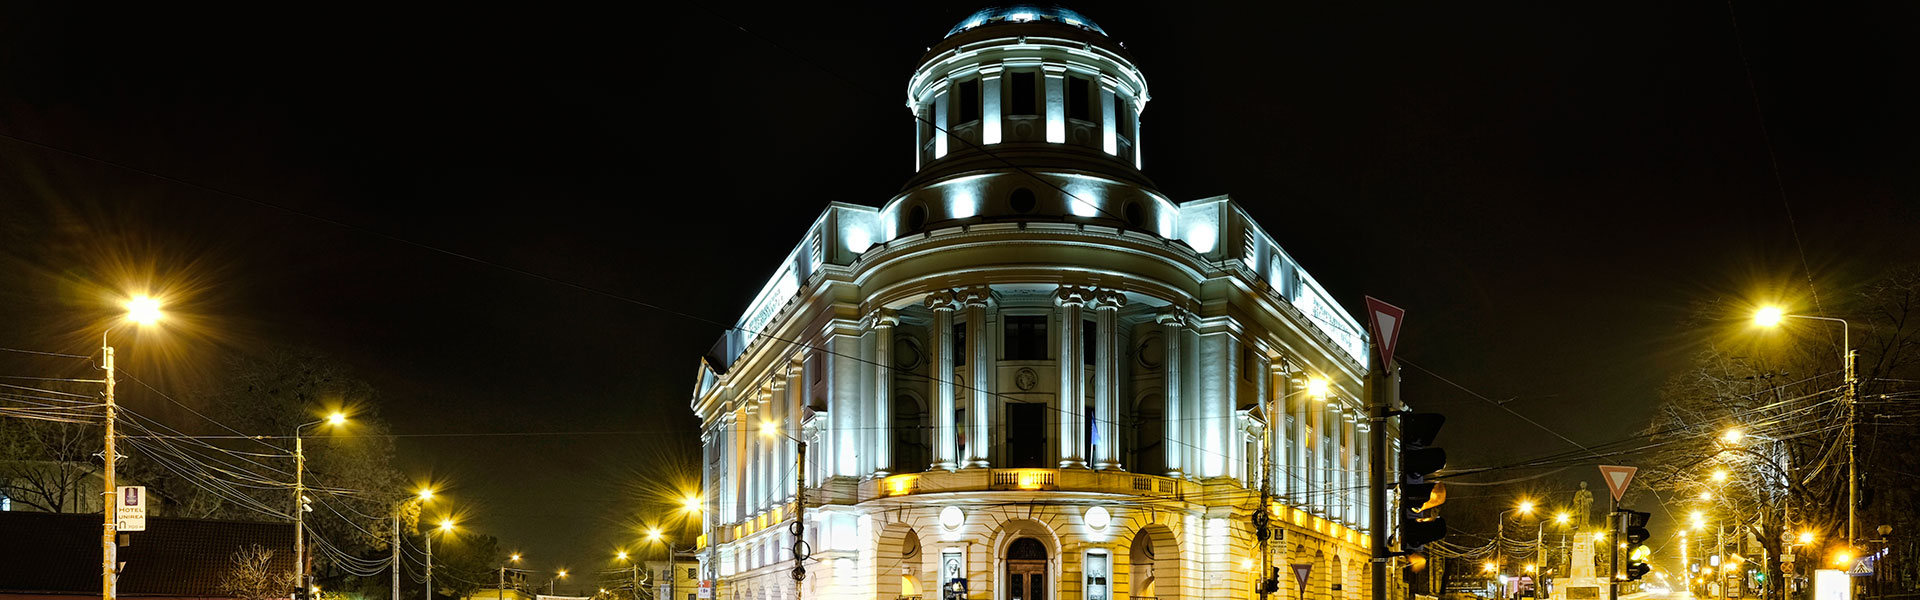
x: 1136, y: 218
x: 1022, y: 200
x: 916, y: 218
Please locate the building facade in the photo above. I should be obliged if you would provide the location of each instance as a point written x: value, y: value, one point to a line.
x: 1031, y: 370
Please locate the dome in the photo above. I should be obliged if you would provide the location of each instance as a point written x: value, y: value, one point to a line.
x: 1026, y: 13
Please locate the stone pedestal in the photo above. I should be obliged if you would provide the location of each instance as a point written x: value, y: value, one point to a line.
x: 1582, y: 567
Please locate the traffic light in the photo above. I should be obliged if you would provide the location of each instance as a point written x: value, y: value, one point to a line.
x: 1636, y: 538
x: 1418, y: 458
x: 1271, y: 584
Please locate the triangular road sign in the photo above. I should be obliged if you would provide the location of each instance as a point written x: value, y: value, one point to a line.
x: 1386, y: 319
x: 1617, y: 478
x: 1300, y: 571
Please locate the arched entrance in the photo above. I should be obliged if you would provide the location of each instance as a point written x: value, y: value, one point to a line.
x: 1026, y: 575
x: 897, y: 562
x: 1154, y: 556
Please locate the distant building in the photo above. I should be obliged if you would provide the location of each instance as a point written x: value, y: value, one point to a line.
x: 677, y: 580
x: 1032, y: 371
x: 49, y: 556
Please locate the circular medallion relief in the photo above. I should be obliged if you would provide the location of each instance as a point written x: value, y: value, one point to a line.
x: 1025, y: 379
x: 1151, y: 353
x: 906, y: 352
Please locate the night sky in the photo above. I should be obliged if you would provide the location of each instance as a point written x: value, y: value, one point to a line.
x: 502, y: 218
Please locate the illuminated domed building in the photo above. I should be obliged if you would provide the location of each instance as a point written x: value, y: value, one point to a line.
x: 1030, y: 369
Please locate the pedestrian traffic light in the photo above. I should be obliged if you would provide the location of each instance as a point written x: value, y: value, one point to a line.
x: 1418, y: 458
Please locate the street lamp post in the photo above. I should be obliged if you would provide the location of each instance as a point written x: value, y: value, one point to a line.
x: 1771, y: 316
x: 300, y: 499
x: 636, y: 572
x: 142, y: 310
x: 1500, y: 530
x: 672, y: 553
x: 426, y: 494
x: 561, y: 575
x: 500, y: 593
x: 446, y: 526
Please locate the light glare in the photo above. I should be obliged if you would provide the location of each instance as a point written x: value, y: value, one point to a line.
x: 143, y: 309
x: 1768, y: 316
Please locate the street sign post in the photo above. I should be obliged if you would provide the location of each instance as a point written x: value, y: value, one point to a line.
x: 1386, y: 320
x: 1617, y: 478
x: 130, y: 508
x: 1300, y: 571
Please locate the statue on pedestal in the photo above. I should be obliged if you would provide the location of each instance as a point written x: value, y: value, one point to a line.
x: 1582, y: 506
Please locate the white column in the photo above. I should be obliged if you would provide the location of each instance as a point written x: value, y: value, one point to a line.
x: 1173, y: 322
x: 1363, y: 514
x: 990, y: 104
x: 881, y: 442
x: 945, y: 441
x: 1073, y: 398
x: 1106, y: 379
x: 1109, y: 122
x: 940, y: 118
x: 798, y: 388
x: 1056, y: 95
x: 1300, y: 472
x: 979, y: 371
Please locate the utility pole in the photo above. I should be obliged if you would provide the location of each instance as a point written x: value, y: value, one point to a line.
x: 299, y: 514
x: 429, y: 590
x: 1853, y: 468
x: 109, y: 573
x: 799, y: 514
x: 1377, y: 398
x: 396, y: 553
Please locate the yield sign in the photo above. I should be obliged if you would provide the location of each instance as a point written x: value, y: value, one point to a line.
x: 1300, y: 571
x: 1617, y: 478
x: 1386, y: 319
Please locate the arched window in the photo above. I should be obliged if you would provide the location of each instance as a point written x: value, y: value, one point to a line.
x: 1026, y: 548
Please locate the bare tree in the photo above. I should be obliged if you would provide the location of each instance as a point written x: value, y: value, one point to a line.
x: 46, y: 464
x: 253, y: 576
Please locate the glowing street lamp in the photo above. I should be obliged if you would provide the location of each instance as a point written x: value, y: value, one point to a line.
x: 300, y: 494
x: 142, y: 310
x: 1318, y: 388
x: 1771, y: 316
x: 1719, y: 475
x: 446, y: 527
x: 1732, y: 436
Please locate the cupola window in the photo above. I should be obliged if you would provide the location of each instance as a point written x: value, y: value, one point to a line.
x: 1079, y: 98
x: 1026, y: 95
x: 969, y: 91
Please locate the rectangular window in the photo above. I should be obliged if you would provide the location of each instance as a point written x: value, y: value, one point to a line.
x: 969, y: 91
x: 1025, y: 337
x: 1079, y: 99
x: 1026, y: 98
x: 1125, y: 117
x: 1089, y: 340
x: 960, y: 344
